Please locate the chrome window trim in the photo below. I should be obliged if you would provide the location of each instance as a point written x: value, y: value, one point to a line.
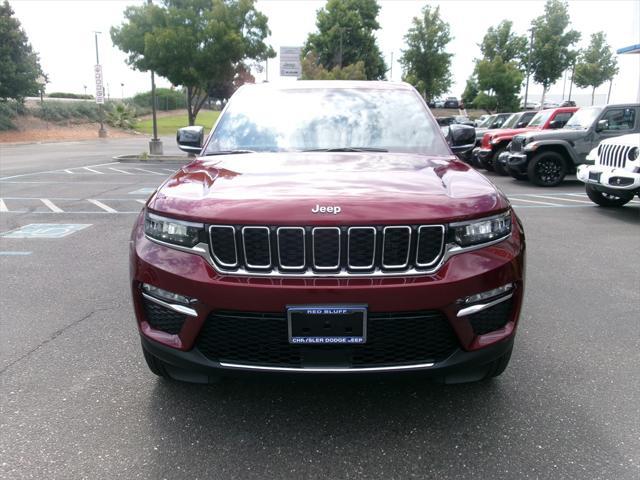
x: 428, y: 264
x: 244, y: 246
x: 304, y: 248
x: 384, y: 237
x: 326, y: 369
x: 235, y: 246
x: 373, y: 258
x: 171, y: 306
x: 313, y: 248
x: 470, y: 310
x: 451, y: 249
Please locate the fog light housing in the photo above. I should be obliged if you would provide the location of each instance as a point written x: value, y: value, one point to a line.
x: 479, y: 297
x: 166, y: 295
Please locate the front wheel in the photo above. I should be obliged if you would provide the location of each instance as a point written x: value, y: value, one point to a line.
x: 547, y: 169
x: 607, y: 199
x: 500, y: 168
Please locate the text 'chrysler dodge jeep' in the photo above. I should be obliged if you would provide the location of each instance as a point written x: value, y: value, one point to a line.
x: 546, y: 157
x: 326, y: 227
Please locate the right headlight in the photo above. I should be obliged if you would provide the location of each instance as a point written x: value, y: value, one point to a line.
x: 479, y: 231
x: 169, y: 230
x: 633, y: 154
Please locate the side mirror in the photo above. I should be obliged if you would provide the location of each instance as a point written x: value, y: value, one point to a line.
x: 461, y: 138
x: 190, y: 139
x: 602, y: 125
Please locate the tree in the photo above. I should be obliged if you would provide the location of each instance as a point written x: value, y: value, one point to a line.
x: 425, y: 63
x: 19, y: 64
x: 501, y: 41
x: 312, y: 70
x: 346, y: 36
x: 596, y: 64
x: 551, y: 54
x: 203, y: 45
x: 499, y: 81
x: 471, y: 91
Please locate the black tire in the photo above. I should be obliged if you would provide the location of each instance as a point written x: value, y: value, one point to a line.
x: 547, y: 169
x: 607, y: 199
x: 487, y: 163
x: 499, y: 365
x: 155, y: 365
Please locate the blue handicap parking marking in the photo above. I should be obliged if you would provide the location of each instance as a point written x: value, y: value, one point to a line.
x: 45, y: 230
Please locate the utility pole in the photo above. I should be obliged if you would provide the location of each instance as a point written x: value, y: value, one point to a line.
x: 573, y: 71
x: 391, y: 68
x: 526, y: 89
x: 155, y: 144
x: 564, y: 84
x: 102, y: 133
x: 609, y: 94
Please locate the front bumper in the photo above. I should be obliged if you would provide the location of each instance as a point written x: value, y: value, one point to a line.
x: 614, y: 179
x: 517, y: 163
x: 463, y: 275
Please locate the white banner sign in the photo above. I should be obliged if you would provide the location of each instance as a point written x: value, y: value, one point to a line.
x: 97, y: 70
x: 290, y: 62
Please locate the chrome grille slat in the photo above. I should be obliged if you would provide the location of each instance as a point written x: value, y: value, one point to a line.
x: 326, y: 251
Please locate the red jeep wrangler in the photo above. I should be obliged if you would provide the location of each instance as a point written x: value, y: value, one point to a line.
x: 494, y: 142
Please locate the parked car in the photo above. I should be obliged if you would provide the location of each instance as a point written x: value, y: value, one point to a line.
x: 568, y: 103
x: 480, y: 120
x: 326, y: 227
x: 438, y: 103
x: 464, y: 120
x: 451, y: 102
x: 546, y: 157
x: 528, y: 106
x: 458, y: 119
x: 612, y: 176
x: 494, y: 142
x: 494, y: 121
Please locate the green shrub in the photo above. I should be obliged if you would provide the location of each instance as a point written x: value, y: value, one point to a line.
x: 77, y: 112
x: 121, y: 115
x: 79, y: 96
x: 166, y: 99
x: 7, y: 114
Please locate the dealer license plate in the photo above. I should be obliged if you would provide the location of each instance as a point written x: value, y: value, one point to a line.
x: 327, y: 324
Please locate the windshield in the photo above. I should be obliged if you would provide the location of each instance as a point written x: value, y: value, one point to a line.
x: 487, y: 121
x: 511, y: 121
x: 583, y: 118
x: 540, y: 119
x: 299, y: 119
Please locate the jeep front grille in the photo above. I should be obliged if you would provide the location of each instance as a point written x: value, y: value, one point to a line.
x: 613, y: 155
x: 326, y: 250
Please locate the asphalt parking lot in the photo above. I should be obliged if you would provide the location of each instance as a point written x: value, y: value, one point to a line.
x: 77, y: 400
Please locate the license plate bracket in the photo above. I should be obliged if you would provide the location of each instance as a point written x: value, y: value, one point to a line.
x: 327, y: 324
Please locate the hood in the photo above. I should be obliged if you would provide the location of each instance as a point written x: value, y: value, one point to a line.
x: 510, y: 132
x: 632, y: 140
x: 284, y: 188
x: 565, y: 134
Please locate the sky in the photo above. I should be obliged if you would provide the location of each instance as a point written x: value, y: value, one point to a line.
x: 61, y: 31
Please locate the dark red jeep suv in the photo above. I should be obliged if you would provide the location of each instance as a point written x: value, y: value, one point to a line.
x: 326, y: 227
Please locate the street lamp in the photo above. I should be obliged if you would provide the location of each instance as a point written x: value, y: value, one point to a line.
x: 122, y: 90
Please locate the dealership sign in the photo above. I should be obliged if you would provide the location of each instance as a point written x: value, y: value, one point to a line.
x: 97, y: 70
x: 290, y: 62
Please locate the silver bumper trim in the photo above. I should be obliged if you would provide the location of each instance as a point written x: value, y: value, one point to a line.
x: 172, y: 306
x: 416, y: 366
x: 483, y: 306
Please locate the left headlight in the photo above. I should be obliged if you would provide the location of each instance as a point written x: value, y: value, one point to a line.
x: 178, y: 232
x: 481, y: 231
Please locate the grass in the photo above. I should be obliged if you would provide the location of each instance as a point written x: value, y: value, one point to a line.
x: 167, y: 125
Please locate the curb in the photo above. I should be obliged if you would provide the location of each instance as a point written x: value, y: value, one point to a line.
x: 152, y: 158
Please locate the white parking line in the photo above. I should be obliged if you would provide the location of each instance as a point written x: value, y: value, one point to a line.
x: 121, y: 171
x: 69, y: 171
x: 563, y: 199
x: 143, y: 202
x: 3, y: 206
x: 92, y: 170
x: 106, y: 208
x: 148, y: 171
x: 170, y: 170
x: 15, y: 254
x: 535, y: 201
x: 52, y: 171
x: 577, y: 194
x: 52, y: 206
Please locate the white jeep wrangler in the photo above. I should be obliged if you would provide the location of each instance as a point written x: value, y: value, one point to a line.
x: 612, y: 176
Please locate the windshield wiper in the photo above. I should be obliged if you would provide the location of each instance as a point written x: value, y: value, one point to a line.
x: 228, y: 152
x: 347, y: 149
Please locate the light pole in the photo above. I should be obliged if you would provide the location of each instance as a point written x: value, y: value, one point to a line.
x: 85, y: 90
x: 102, y: 133
x: 122, y: 90
x: 526, y: 89
x: 155, y: 144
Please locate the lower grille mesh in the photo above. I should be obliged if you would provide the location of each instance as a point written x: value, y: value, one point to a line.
x: 162, y: 318
x: 392, y: 339
x: 491, y: 319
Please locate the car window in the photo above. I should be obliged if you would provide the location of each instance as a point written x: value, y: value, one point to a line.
x: 511, y: 121
x: 620, y: 118
x: 527, y: 116
x: 296, y: 119
x: 563, y: 117
x: 583, y: 118
x: 540, y: 119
